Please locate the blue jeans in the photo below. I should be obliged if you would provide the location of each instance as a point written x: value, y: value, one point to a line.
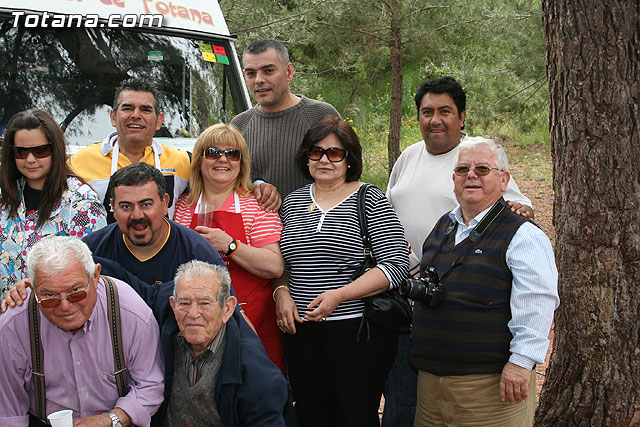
x: 400, y: 389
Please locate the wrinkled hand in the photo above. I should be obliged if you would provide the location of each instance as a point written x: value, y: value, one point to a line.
x: 216, y: 236
x: 520, y: 209
x: 326, y: 302
x: 514, y: 383
x: 268, y: 197
x: 101, y: 420
x: 286, y: 311
x: 16, y: 294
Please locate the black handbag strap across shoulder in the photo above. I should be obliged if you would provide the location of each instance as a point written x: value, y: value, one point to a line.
x: 388, y: 309
x: 362, y: 218
x: 37, y: 351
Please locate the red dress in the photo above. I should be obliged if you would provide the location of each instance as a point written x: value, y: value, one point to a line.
x: 242, y: 219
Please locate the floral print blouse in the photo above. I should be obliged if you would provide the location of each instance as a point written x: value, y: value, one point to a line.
x: 77, y: 213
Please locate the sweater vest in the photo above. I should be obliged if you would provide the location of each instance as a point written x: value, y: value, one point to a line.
x: 467, y: 333
x: 194, y: 405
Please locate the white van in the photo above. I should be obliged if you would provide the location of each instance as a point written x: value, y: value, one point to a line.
x: 68, y: 56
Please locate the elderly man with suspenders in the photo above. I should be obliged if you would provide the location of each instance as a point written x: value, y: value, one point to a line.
x: 69, y: 333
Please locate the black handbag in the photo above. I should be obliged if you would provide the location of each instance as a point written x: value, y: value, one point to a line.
x: 388, y: 309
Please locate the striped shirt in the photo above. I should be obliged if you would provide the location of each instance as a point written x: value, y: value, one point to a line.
x: 261, y: 228
x: 322, y: 249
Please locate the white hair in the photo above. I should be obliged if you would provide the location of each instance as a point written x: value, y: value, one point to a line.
x: 53, y: 254
x: 473, y: 142
x: 200, y: 269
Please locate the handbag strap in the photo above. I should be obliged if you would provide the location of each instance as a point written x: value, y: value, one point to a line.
x: 119, y: 367
x: 37, y: 358
x: 362, y: 218
x: 363, y: 328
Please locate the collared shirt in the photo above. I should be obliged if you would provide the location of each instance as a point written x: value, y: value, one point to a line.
x: 421, y: 191
x: 534, y: 291
x: 194, y: 365
x: 79, y: 367
x: 95, y: 164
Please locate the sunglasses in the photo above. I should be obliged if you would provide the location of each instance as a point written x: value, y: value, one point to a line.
x: 334, y: 154
x: 479, y: 170
x: 39, y: 151
x: 72, y: 297
x: 215, y: 153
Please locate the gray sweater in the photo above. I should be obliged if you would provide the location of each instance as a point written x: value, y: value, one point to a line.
x: 274, y: 137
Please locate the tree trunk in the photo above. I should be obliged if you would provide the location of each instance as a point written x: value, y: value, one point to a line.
x: 395, y: 113
x: 593, y: 67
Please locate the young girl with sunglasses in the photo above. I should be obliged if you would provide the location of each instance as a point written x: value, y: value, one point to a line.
x: 39, y: 195
x: 246, y: 236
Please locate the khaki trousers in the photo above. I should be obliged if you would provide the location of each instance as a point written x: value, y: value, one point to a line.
x: 470, y: 400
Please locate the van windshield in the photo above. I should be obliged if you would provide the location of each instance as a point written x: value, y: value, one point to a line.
x: 72, y: 73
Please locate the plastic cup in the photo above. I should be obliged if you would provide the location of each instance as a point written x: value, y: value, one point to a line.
x: 205, y: 214
x: 62, y: 418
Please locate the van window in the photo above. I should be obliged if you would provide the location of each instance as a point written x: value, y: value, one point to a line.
x: 72, y: 73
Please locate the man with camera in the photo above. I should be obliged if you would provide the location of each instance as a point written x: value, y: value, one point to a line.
x: 441, y: 105
x: 484, y: 304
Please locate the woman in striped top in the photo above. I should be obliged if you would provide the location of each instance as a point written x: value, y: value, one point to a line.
x: 336, y: 380
x: 246, y: 236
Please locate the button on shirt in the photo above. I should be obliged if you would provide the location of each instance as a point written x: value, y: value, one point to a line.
x: 79, y: 367
x: 194, y: 365
x: 534, y: 291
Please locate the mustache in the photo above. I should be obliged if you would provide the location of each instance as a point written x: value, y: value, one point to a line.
x: 142, y: 221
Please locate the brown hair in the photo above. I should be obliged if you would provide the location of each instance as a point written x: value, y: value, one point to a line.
x: 55, y: 182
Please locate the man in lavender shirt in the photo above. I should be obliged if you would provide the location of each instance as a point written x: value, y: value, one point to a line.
x: 78, y: 355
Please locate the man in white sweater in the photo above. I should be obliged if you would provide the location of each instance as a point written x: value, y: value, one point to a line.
x: 421, y: 191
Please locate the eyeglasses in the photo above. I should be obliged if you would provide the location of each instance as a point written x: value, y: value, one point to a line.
x: 72, y: 297
x: 39, y: 151
x: 215, y: 154
x: 479, y: 170
x: 334, y: 154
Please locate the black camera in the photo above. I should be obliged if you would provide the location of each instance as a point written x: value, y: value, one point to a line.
x: 427, y: 289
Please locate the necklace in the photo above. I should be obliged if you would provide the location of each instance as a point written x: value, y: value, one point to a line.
x: 317, y: 198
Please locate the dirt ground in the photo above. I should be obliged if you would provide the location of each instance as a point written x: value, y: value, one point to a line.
x: 532, y: 170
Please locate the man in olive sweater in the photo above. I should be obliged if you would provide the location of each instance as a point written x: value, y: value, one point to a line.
x: 274, y: 128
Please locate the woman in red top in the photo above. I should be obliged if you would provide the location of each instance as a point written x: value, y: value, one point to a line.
x: 246, y: 236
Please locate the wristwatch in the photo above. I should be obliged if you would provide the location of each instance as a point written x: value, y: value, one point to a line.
x: 115, y: 421
x: 232, y: 247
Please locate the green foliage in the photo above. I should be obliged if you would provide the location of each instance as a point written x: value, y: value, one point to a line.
x: 340, y: 49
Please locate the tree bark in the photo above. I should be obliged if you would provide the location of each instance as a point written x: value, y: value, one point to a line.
x: 593, y: 67
x: 395, y: 113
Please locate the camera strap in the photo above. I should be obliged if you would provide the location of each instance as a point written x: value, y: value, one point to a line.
x: 474, y: 236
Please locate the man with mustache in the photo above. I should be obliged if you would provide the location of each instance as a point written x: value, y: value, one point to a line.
x: 136, y: 118
x: 274, y: 127
x: 143, y: 241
